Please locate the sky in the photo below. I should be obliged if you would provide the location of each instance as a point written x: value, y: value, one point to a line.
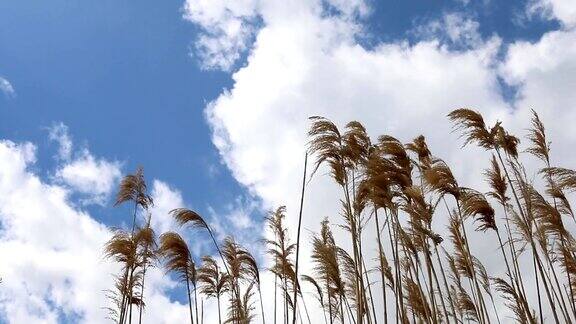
x: 212, y: 97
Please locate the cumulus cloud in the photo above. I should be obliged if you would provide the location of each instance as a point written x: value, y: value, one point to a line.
x: 287, y: 81
x: 165, y: 199
x: 88, y: 175
x: 545, y: 73
x: 307, y: 66
x: 563, y: 10
x: 52, y: 266
x: 227, y: 27
x: 50, y: 251
x: 306, y: 62
x: 6, y: 87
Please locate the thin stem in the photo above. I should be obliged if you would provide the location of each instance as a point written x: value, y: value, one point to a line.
x: 381, y: 258
x: 196, y: 302
x: 298, y: 237
x: 189, y: 298
x: 219, y: 312
x: 261, y: 304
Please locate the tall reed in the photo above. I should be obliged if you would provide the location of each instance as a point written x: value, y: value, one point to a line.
x: 426, y: 273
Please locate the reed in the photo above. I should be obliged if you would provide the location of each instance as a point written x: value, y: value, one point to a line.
x: 396, y: 195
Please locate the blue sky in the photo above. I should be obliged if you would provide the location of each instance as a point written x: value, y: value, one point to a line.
x: 134, y: 83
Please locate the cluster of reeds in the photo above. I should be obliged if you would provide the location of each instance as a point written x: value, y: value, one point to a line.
x: 235, y: 277
x: 403, y: 197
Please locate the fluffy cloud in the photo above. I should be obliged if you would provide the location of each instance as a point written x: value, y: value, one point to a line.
x: 6, y: 87
x: 50, y: 251
x: 306, y: 62
x: 52, y: 266
x: 545, y: 73
x: 92, y: 177
x: 165, y: 199
x: 563, y: 10
x: 227, y: 27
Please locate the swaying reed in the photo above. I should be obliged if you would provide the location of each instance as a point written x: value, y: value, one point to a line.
x: 281, y: 251
x: 135, y: 251
x: 178, y: 259
x: 213, y: 282
x: 427, y: 267
x: 295, y: 296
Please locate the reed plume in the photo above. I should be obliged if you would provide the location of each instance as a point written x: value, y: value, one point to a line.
x: 178, y: 259
x: 281, y: 250
x: 515, y: 302
x: 238, y: 260
x: 213, y: 282
x: 343, y: 153
x: 132, y: 189
x: 397, y: 188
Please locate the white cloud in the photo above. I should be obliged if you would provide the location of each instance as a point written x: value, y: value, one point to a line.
x: 545, y: 73
x: 227, y: 27
x: 306, y: 67
x: 52, y: 265
x: 6, y: 87
x: 239, y: 213
x: 85, y: 174
x: 165, y: 199
x: 563, y: 10
x: 306, y: 63
x: 241, y: 220
x: 384, y: 88
x: 88, y: 175
x: 58, y: 133
x: 50, y: 251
